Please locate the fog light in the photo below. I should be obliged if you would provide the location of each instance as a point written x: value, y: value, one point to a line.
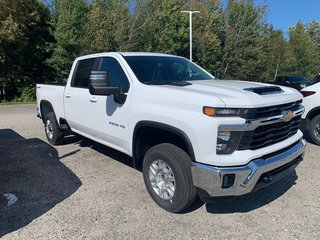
x: 228, y: 180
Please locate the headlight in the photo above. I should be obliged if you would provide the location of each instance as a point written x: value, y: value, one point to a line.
x: 227, y: 142
x: 224, y: 112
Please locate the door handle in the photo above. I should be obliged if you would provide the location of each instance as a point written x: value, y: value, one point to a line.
x: 93, y: 100
x: 68, y: 95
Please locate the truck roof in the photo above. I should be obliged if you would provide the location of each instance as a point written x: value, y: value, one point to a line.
x: 103, y: 54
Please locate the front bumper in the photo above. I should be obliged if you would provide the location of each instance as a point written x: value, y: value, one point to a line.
x: 210, y: 181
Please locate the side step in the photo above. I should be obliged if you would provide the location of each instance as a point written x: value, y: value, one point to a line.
x: 64, y: 127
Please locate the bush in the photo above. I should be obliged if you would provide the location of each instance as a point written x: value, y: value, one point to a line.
x: 27, y: 94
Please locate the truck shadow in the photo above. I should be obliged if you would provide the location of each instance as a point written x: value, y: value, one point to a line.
x: 83, y: 142
x: 31, y: 170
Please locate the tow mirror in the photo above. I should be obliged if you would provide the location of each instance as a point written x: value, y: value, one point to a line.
x: 99, y: 85
x: 216, y: 73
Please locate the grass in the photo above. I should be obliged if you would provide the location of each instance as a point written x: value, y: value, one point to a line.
x: 16, y: 103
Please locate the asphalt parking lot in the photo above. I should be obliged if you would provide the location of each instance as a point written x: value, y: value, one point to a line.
x: 83, y: 190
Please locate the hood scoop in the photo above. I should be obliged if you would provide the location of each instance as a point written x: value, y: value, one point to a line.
x: 265, y: 90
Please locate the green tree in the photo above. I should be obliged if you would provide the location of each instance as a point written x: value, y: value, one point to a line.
x: 24, y: 38
x: 207, y: 43
x: 306, y: 59
x: 242, y: 41
x: 106, y: 27
x: 313, y: 29
x: 69, y: 20
x: 165, y: 29
x: 276, y: 54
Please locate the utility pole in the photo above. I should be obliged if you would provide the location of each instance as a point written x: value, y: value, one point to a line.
x: 190, y: 29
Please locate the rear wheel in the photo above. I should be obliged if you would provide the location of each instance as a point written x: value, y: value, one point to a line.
x: 314, y: 130
x: 54, y: 134
x: 167, y: 176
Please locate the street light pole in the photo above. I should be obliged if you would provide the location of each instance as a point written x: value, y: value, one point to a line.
x: 190, y: 29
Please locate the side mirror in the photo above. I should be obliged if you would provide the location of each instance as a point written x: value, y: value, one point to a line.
x: 287, y: 82
x: 99, y: 85
x: 216, y: 73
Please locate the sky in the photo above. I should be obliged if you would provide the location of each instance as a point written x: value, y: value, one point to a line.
x: 285, y: 13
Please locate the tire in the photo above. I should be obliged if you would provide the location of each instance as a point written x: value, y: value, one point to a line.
x: 54, y: 134
x: 178, y: 192
x: 314, y: 129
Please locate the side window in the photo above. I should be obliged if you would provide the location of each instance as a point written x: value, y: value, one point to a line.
x: 116, y: 75
x: 83, y: 70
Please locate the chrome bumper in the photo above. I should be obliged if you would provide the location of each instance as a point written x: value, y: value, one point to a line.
x: 210, y: 180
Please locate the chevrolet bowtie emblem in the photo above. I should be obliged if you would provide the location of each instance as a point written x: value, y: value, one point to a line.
x: 287, y: 116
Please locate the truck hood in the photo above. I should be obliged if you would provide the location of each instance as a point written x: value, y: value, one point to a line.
x: 240, y: 94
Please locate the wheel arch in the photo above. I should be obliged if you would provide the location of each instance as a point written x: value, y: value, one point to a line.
x: 312, y: 113
x: 45, y: 108
x: 165, y: 133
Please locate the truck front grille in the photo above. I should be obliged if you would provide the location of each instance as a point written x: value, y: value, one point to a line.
x: 272, y: 110
x: 270, y: 134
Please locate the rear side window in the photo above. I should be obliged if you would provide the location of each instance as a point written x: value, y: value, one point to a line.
x: 83, y: 70
x: 116, y: 75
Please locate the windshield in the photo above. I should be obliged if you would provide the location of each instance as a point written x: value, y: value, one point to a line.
x: 156, y: 70
x: 299, y: 79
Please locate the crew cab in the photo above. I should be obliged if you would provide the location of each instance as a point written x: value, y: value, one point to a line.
x: 311, y: 116
x: 190, y: 133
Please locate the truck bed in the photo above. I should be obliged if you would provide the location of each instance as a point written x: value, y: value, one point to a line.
x: 53, y: 94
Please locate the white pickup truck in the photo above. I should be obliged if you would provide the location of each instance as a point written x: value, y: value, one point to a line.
x: 191, y: 134
x: 311, y: 116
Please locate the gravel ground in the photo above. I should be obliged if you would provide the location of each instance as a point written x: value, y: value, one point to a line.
x: 83, y: 190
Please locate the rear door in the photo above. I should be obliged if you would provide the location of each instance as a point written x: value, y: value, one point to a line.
x: 77, y: 97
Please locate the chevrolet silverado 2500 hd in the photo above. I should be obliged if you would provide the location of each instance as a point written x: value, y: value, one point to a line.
x: 190, y: 133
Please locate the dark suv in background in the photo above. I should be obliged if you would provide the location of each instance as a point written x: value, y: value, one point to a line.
x: 297, y: 82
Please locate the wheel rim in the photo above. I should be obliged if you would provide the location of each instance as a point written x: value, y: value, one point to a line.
x: 162, y: 179
x: 317, y: 130
x: 49, y: 129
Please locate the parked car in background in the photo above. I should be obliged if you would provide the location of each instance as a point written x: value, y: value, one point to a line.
x: 316, y: 78
x: 311, y: 116
x: 297, y: 82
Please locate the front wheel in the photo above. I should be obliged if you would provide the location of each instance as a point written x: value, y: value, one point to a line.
x: 54, y: 134
x: 167, y: 176
x: 314, y: 130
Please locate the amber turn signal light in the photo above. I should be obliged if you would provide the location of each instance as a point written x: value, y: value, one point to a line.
x: 209, y: 111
